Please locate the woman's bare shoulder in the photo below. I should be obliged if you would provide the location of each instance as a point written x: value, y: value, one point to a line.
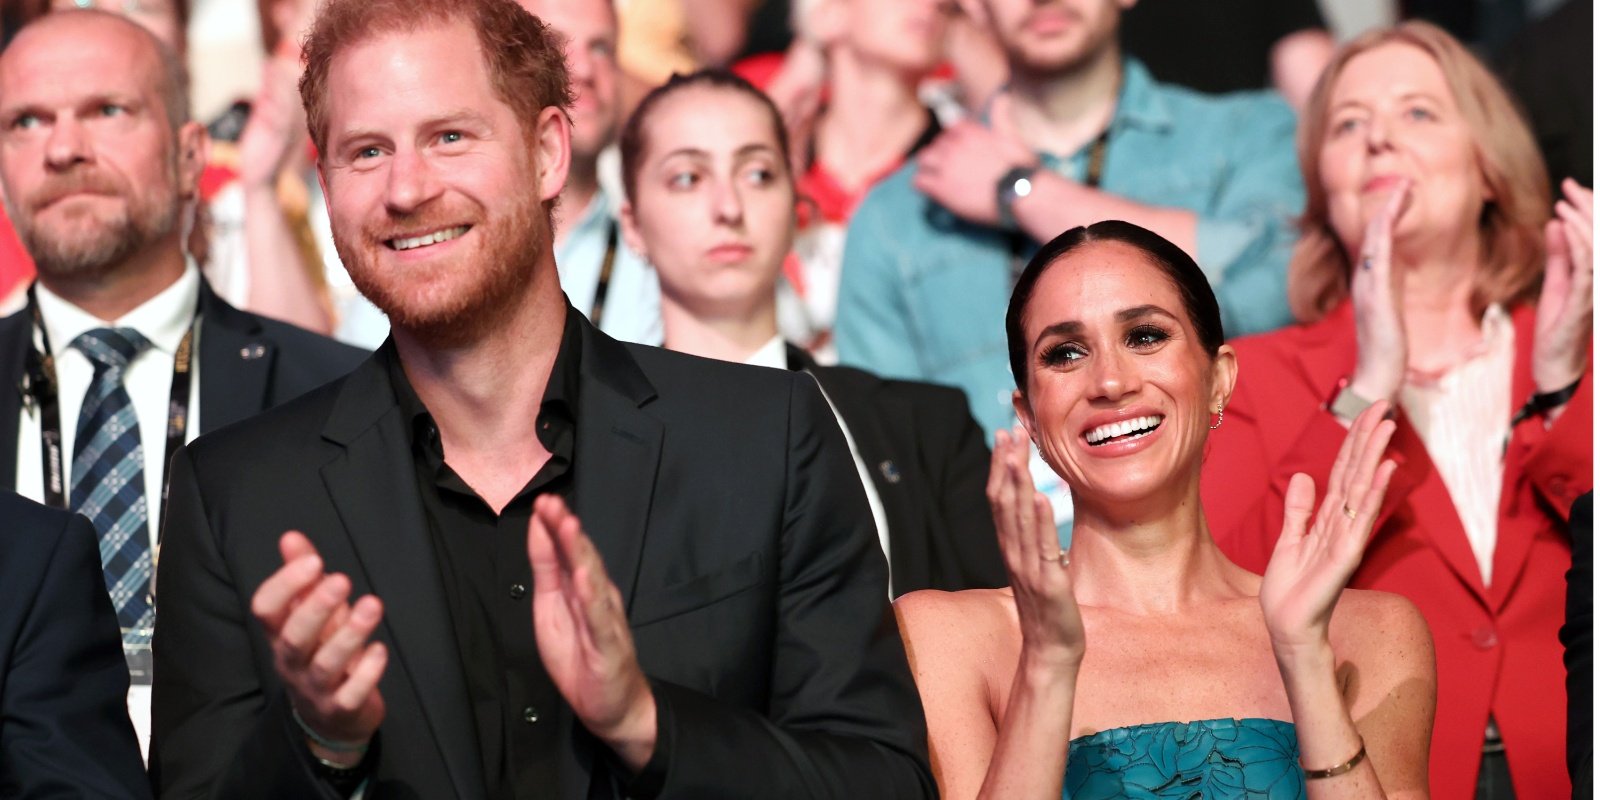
x: 1373, y: 625
x: 955, y: 617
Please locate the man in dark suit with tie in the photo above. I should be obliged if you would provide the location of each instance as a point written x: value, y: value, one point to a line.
x: 716, y: 624
x: 64, y: 728
x: 123, y: 352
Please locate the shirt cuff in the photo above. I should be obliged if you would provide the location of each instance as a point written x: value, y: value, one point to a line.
x: 653, y: 778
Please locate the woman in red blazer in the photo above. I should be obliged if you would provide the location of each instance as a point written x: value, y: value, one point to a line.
x: 1427, y: 234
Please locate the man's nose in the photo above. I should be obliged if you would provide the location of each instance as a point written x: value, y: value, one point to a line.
x: 68, y: 143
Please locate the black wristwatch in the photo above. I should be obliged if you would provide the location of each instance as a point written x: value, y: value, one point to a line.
x: 1016, y: 184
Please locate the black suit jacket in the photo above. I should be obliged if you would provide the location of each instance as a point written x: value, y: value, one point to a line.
x: 248, y: 364
x: 727, y: 511
x: 1577, y: 642
x: 64, y: 729
x: 930, y: 466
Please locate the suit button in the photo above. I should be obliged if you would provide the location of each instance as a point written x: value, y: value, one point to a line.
x: 1484, y: 638
x: 530, y: 715
x: 1558, y: 485
x: 518, y: 591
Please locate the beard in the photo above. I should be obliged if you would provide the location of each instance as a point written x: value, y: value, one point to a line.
x: 87, y: 245
x: 449, y: 301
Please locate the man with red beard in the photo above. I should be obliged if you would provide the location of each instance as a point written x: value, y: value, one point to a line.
x: 123, y: 353
x: 715, y: 626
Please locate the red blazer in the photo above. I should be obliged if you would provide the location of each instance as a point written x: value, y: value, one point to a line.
x: 1496, y: 646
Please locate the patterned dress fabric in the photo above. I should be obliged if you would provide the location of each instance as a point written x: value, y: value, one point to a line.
x: 108, y: 478
x: 1216, y: 759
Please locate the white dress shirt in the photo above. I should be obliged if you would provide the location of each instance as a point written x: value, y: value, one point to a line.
x: 162, y: 319
x: 1461, y: 417
x: 772, y: 354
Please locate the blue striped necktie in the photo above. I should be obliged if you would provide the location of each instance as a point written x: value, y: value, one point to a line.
x: 108, y: 478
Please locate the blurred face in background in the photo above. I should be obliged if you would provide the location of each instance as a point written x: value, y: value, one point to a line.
x: 1392, y: 118
x: 93, y: 168
x: 1047, y: 37
x: 713, y: 201
x: 590, y: 28
x: 164, y: 18
x: 907, y: 35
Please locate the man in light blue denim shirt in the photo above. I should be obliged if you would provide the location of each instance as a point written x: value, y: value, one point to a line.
x: 1080, y: 134
x: 603, y: 279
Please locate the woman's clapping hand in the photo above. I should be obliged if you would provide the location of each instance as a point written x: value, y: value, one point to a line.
x: 1564, y: 319
x: 1052, y: 629
x: 1315, y: 557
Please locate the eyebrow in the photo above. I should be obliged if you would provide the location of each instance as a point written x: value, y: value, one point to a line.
x: 462, y: 116
x: 1073, y: 327
x: 697, y: 152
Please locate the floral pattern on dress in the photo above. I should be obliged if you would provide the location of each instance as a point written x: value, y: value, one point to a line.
x: 1216, y: 759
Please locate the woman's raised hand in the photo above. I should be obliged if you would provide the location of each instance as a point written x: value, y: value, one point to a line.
x: 1375, y: 295
x: 1315, y: 557
x: 1564, y: 319
x: 1052, y: 630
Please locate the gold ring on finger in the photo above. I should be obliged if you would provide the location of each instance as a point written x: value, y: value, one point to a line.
x: 1059, y: 557
x: 1348, y: 512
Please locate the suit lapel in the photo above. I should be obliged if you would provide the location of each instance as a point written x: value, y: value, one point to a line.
x: 618, y: 450
x: 236, y: 361
x: 15, y: 331
x: 1330, y: 356
x: 373, y: 486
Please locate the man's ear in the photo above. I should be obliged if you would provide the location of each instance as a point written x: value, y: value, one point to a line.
x: 552, y: 152
x: 194, y: 152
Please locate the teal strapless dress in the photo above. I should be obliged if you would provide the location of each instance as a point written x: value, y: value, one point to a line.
x: 1209, y: 759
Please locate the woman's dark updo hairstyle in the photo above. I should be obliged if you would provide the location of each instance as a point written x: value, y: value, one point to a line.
x: 1198, y: 299
x: 632, y: 140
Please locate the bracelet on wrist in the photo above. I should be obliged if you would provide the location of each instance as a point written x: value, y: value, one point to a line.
x: 1541, y: 403
x: 1318, y: 774
x: 333, y: 745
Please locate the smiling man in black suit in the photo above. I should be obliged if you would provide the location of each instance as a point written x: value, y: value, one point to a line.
x: 716, y: 625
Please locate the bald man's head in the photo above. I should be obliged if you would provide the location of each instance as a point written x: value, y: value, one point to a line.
x: 99, y: 157
x: 77, y: 30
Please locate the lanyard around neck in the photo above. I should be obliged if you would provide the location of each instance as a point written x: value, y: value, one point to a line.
x: 41, y: 388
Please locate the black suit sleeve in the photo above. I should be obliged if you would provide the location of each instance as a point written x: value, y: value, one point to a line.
x: 64, y: 729
x: 844, y: 718
x: 962, y: 466
x: 228, y: 719
x: 1577, y: 640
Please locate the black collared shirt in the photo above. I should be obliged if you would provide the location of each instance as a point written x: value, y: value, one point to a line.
x: 483, y: 562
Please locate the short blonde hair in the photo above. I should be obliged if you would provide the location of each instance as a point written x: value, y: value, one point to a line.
x: 1511, y: 226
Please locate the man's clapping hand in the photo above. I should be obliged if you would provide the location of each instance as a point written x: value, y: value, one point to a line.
x: 321, y: 650
x: 583, y: 636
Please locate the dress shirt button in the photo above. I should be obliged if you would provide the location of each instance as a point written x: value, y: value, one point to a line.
x: 1558, y: 485
x: 518, y: 591
x: 530, y: 715
x: 1484, y: 638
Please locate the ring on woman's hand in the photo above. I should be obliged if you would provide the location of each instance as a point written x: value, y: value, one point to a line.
x: 1060, y: 556
x: 1349, y: 513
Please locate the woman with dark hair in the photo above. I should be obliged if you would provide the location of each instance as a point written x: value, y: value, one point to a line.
x: 711, y: 205
x: 1142, y: 662
x: 1427, y: 232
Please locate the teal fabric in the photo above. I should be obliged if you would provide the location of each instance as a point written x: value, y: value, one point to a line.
x: 923, y: 294
x: 1214, y: 759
